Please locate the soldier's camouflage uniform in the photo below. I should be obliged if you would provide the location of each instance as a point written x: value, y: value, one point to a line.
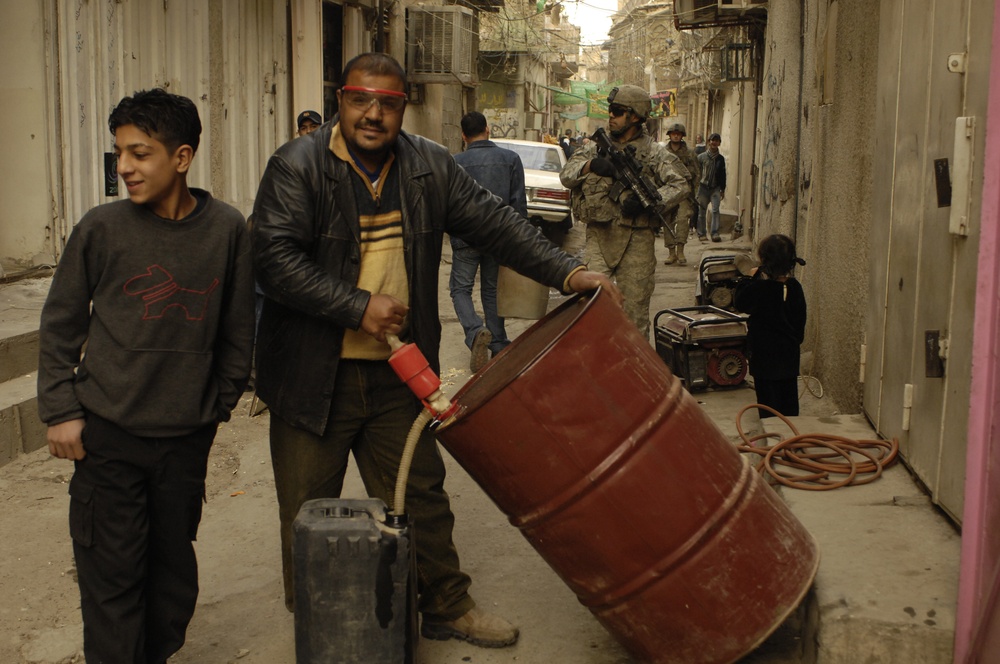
x: 681, y: 217
x: 619, y: 246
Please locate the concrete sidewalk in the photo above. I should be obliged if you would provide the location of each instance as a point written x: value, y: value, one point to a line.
x: 885, y: 591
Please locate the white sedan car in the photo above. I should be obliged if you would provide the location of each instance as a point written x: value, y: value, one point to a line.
x: 548, y: 199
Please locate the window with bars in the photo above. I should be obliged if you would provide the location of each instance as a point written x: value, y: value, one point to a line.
x: 737, y: 62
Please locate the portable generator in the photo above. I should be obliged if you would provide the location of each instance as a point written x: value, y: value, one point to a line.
x: 704, y: 346
x: 717, y: 279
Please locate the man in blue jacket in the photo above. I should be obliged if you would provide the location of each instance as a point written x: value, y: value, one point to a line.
x: 711, y: 188
x: 347, y: 231
x: 499, y: 170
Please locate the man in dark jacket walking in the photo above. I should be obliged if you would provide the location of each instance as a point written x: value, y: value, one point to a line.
x: 566, y: 143
x: 347, y: 230
x: 499, y: 170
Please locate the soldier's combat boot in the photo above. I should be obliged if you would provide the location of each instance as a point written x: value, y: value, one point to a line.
x: 680, y: 255
x: 672, y: 258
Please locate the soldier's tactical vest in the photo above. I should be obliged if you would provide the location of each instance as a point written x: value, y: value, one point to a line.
x: 591, y: 203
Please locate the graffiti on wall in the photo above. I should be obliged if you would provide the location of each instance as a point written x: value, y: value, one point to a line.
x: 502, y: 122
x: 774, y: 82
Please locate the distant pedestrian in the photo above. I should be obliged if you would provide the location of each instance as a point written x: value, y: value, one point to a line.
x: 308, y: 122
x: 712, y: 188
x: 499, y: 170
x: 699, y: 144
x: 777, y: 308
x: 566, y: 143
x: 159, y: 290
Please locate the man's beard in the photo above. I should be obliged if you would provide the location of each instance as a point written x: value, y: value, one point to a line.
x: 618, y: 133
x: 357, y: 147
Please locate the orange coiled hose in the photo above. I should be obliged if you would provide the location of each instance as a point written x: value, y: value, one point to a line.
x: 810, y: 461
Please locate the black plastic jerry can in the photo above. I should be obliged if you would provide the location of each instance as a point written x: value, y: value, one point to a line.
x: 355, y: 588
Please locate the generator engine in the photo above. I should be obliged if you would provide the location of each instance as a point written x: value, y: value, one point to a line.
x: 705, y: 346
x: 717, y: 279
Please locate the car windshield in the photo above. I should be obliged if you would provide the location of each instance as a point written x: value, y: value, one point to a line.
x: 539, y: 157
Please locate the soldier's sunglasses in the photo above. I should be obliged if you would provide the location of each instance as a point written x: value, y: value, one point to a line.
x: 617, y: 111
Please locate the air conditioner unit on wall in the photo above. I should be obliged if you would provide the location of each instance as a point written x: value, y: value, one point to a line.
x: 440, y: 45
x: 690, y: 12
x: 741, y: 5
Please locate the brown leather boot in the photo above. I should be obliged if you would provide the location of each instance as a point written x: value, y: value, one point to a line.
x: 477, y: 627
x: 672, y: 258
x: 680, y: 255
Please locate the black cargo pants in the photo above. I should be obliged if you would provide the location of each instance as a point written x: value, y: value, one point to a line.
x: 134, y: 513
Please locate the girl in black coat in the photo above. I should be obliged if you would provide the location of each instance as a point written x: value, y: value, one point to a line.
x: 777, y: 308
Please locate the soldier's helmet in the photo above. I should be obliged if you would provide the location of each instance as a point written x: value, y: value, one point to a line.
x: 633, y: 97
x: 678, y: 127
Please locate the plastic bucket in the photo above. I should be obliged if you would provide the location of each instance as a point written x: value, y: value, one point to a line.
x: 614, y: 473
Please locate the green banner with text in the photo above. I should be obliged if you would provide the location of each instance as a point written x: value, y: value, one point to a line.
x: 594, y: 95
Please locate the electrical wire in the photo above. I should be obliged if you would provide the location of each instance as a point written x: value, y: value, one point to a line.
x: 809, y: 461
x: 805, y: 386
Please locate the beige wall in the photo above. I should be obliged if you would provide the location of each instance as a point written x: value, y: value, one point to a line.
x: 837, y: 191
x: 815, y: 144
x: 66, y: 64
x: 26, y: 206
x: 439, y: 115
x: 307, y: 55
x: 736, y: 130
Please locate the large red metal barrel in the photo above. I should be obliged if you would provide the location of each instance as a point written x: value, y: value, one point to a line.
x: 613, y: 472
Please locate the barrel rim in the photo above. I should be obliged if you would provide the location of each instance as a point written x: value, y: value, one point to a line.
x: 464, y: 410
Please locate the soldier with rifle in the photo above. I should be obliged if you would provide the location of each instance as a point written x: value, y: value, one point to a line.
x: 687, y: 211
x: 624, y: 186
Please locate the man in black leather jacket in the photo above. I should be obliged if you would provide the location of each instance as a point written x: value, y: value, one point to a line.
x: 347, y: 232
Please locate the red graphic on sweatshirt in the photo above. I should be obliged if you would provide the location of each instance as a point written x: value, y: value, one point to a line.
x: 160, y: 292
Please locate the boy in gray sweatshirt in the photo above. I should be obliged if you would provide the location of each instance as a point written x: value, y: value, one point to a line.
x: 145, y: 346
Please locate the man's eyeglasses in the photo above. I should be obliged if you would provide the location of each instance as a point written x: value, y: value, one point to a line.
x: 389, y: 101
x: 617, y: 111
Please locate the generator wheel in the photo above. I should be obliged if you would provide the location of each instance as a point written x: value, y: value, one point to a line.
x: 727, y: 367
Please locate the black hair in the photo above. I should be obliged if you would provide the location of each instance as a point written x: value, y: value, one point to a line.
x: 777, y: 255
x: 171, y: 119
x: 379, y: 64
x: 473, y: 124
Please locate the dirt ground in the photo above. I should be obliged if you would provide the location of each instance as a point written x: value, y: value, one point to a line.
x: 241, y: 615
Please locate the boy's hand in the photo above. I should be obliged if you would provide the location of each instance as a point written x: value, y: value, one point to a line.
x: 65, y: 441
x: 384, y: 314
x: 585, y: 280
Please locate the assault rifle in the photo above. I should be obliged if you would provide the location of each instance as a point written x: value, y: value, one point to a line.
x: 629, y: 176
